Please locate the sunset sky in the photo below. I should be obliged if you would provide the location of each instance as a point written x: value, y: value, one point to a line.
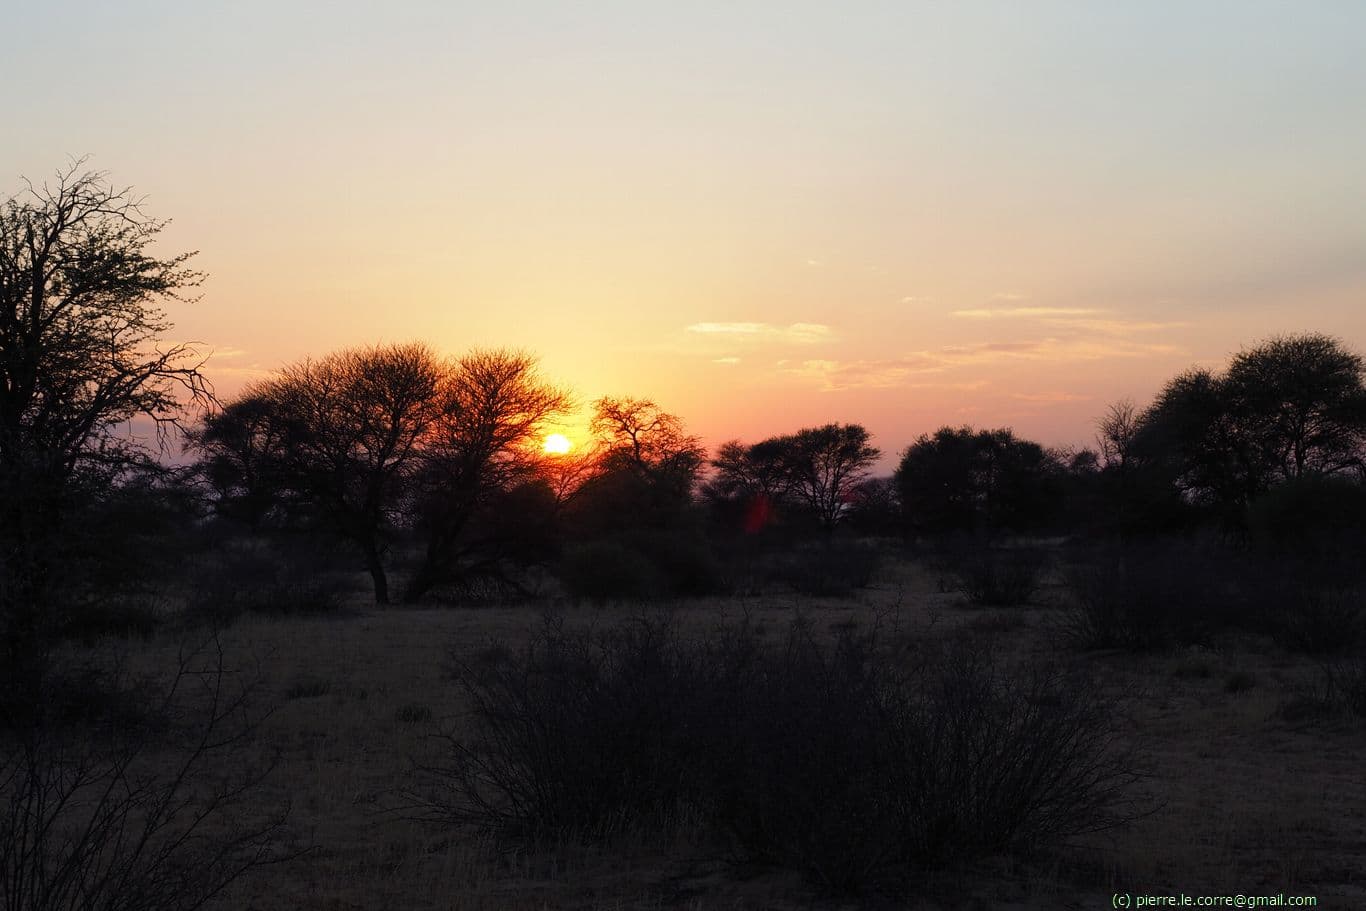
x: 762, y: 215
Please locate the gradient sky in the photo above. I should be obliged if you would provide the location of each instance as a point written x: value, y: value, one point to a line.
x: 762, y: 215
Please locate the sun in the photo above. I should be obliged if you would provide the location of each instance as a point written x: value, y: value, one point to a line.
x: 557, y: 444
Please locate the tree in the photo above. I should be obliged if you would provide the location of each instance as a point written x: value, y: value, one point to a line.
x: 826, y: 464
x: 1301, y: 399
x: 750, y: 482
x: 962, y: 480
x: 646, y: 468
x: 480, y: 462
x: 344, y: 437
x: 1115, y: 433
x: 1290, y: 407
x: 81, y: 323
x: 243, y: 462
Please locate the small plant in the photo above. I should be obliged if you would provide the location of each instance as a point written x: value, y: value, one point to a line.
x: 608, y: 571
x: 1142, y: 597
x: 992, y: 575
x: 308, y: 688
x: 146, y: 815
x: 832, y: 568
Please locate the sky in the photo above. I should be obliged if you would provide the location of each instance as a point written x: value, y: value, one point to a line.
x: 761, y: 215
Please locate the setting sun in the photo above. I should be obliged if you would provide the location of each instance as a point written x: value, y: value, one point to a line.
x: 557, y: 444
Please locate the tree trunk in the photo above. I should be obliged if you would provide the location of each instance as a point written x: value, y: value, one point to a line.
x: 375, y: 565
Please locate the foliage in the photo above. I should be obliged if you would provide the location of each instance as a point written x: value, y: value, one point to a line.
x: 118, y: 815
x: 80, y: 355
x: 830, y: 759
x: 816, y: 469
x: 1151, y: 595
x: 477, y: 500
x: 1289, y: 408
x: 829, y: 568
x: 336, y: 437
x: 987, y: 481
x: 993, y: 575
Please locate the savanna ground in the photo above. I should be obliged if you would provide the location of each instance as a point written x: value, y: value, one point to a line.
x: 1242, y: 792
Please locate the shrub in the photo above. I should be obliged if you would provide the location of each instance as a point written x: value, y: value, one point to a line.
x: 1146, y: 596
x: 1310, y: 516
x: 834, y: 567
x: 89, y: 620
x: 581, y: 731
x: 608, y: 571
x: 107, y: 814
x: 260, y: 581
x: 828, y: 759
x: 650, y: 564
x: 993, y: 575
x: 1311, y: 605
x: 854, y: 774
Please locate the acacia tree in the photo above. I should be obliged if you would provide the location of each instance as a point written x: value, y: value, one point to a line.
x: 480, y: 447
x: 81, y: 323
x: 645, y: 468
x: 243, y: 448
x: 961, y: 480
x: 825, y: 464
x: 344, y: 435
x: 1300, y: 401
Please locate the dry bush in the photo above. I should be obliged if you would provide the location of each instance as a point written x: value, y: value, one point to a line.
x: 862, y: 775
x: 1146, y: 596
x: 992, y: 575
x: 830, y: 759
x: 580, y: 732
x: 831, y: 568
x: 140, y: 811
x: 238, y: 581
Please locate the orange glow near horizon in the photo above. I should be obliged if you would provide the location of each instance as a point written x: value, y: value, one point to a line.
x: 960, y: 217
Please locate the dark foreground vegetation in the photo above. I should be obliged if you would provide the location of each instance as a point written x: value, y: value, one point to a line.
x: 1228, y: 514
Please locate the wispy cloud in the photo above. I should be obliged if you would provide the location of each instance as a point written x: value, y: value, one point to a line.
x: 725, y: 360
x: 1050, y: 397
x: 904, y: 371
x: 1025, y: 312
x: 883, y: 373
x: 1115, y: 326
x: 795, y: 333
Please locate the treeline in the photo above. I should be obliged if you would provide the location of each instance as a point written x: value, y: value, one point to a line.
x: 399, y: 451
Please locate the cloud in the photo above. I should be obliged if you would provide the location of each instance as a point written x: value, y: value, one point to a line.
x: 1053, y: 349
x: 1025, y: 312
x: 795, y: 333
x: 1050, y: 397
x: 1114, y: 326
x: 725, y: 360
x: 900, y: 372
x: 886, y: 373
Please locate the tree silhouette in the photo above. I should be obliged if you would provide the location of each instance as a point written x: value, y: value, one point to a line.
x: 80, y: 355
x: 1292, y: 406
x: 961, y: 480
x: 1301, y: 399
x: 347, y: 427
x: 825, y: 464
x: 482, y: 446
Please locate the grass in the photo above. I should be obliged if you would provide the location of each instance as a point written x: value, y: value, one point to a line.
x: 1224, y: 813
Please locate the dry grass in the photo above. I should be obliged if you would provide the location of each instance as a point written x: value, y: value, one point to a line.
x: 1240, y: 798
